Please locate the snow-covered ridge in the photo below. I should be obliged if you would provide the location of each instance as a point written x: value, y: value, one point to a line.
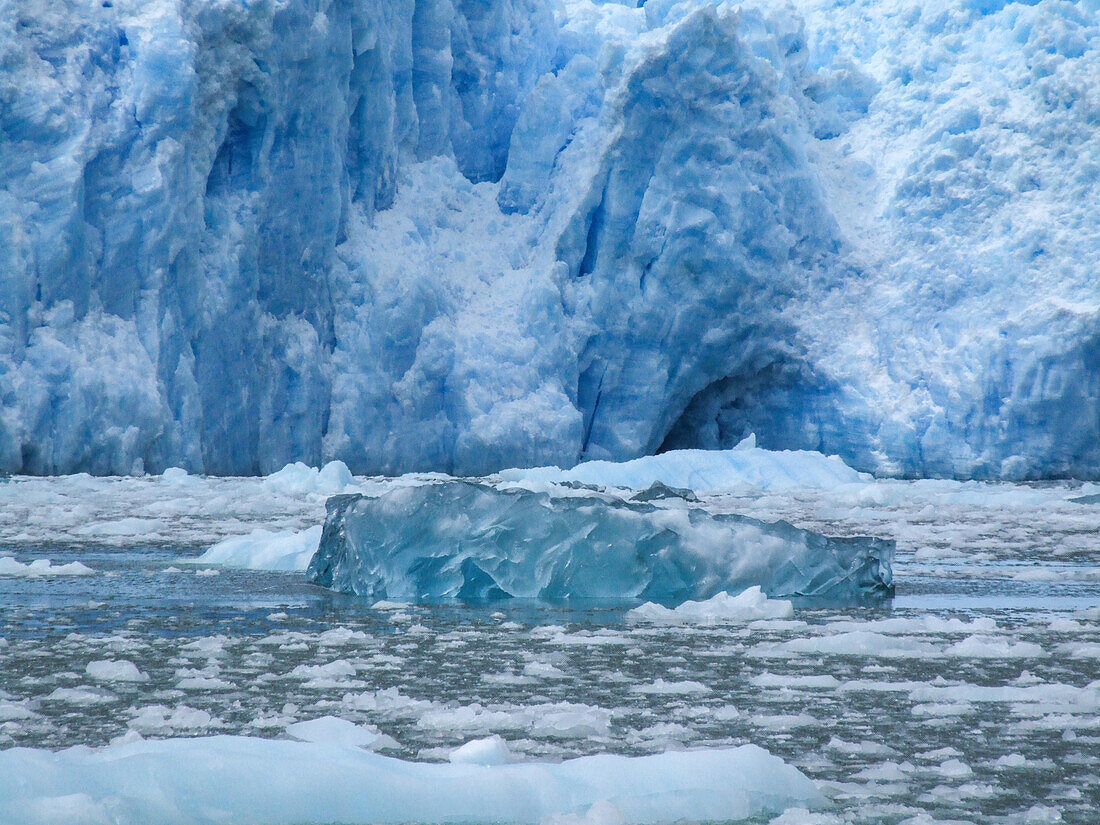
x: 271, y: 782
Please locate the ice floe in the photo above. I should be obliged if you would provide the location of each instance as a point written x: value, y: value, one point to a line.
x: 271, y: 782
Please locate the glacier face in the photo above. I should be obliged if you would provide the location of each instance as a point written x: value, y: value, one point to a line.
x: 462, y: 235
x: 473, y: 541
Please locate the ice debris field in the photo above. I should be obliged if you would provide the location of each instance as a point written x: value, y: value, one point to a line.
x: 425, y: 235
x: 192, y: 675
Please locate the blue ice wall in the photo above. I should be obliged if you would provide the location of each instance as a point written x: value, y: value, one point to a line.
x: 468, y: 234
x: 176, y: 177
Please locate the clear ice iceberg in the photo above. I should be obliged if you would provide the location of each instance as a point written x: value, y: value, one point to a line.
x: 474, y: 541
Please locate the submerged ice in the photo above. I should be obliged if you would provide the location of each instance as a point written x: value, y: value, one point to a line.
x: 462, y: 236
x: 474, y: 541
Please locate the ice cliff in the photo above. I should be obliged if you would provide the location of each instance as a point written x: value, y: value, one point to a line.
x: 462, y: 235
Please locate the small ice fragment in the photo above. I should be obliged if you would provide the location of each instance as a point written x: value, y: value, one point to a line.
x: 300, y: 479
x: 330, y: 730
x: 109, y: 670
x: 41, y: 567
x: 264, y: 550
x: 492, y: 750
x: 174, y: 475
x: 747, y: 606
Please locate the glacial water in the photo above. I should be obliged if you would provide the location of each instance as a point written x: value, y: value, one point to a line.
x: 974, y: 696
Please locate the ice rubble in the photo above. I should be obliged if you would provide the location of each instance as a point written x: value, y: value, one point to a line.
x: 469, y: 540
x: 270, y: 782
x: 466, y: 236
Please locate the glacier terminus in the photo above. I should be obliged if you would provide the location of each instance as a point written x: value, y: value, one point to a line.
x: 465, y: 235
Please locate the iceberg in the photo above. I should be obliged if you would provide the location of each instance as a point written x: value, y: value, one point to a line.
x: 473, y: 541
x: 271, y: 782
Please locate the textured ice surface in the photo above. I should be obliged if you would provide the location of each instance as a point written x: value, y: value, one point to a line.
x: 473, y: 541
x: 288, y: 783
x: 466, y: 236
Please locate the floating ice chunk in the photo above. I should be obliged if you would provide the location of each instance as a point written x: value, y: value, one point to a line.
x: 82, y: 696
x: 855, y: 643
x: 121, y: 527
x: 331, y: 730
x: 10, y: 711
x: 865, y: 747
x: 269, y: 782
x: 264, y: 550
x: 785, y: 721
x: 492, y: 750
x: 341, y: 636
x: 41, y: 567
x: 109, y: 670
x: 175, y: 475
x: 161, y: 719
x: 817, y: 681
x: 991, y: 647
x: 802, y: 816
x: 747, y: 606
x: 300, y: 479
x: 468, y: 540
x: 1079, y: 650
x: 209, y: 646
x: 746, y: 465
x: 549, y: 719
x: 335, y: 673
x: 663, y: 688
x: 1039, y: 815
